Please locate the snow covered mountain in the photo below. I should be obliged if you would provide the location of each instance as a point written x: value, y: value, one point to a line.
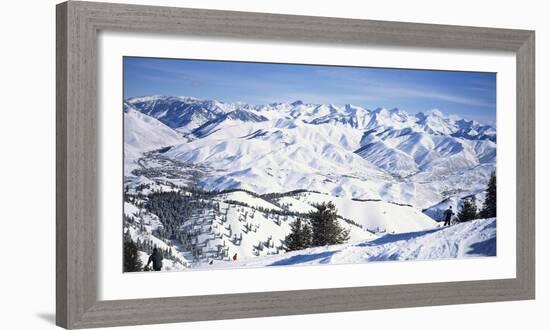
x: 250, y: 226
x: 237, y: 176
x: 187, y: 113
x: 346, y: 151
x: 144, y: 133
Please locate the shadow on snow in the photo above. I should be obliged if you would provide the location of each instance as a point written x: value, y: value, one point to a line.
x: 301, y: 258
x: 391, y: 238
x: 484, y: 248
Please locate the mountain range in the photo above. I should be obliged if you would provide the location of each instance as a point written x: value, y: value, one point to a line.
x: 345, y: 151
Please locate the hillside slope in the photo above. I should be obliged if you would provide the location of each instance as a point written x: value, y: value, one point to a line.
x: 471, y: 239
x: 144, y: 133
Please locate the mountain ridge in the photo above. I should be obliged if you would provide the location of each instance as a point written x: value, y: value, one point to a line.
x: 341, y: 150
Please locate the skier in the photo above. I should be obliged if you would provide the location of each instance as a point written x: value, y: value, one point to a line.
x: 448, y: 215
x: 156, y: 259
x: 235, y: 257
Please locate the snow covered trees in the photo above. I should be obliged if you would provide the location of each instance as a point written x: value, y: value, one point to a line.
x: 489, y: 209
x: 325, y: 227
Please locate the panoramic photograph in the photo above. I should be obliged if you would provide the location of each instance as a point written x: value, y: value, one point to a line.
x: 245, y: 164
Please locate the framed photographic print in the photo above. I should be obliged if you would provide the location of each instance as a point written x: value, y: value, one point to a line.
x: 216, y: 165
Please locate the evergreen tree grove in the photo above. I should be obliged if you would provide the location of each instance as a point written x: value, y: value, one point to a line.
x: 299, y: 237
x: 131, y: 261
x: 489, y: 209
x: 325, y: 227
x: 468, y: 211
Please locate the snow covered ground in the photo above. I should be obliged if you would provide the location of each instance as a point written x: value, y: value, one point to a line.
x: 471, y: 239
x: 224, y: 229
x: 377, y: 216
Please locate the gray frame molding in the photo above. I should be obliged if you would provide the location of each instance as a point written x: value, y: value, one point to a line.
x: 77, y: 150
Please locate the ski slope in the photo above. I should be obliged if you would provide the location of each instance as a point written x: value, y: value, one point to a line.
x: 376, y: 216
x: 226, y: 228
x: 471, y: 239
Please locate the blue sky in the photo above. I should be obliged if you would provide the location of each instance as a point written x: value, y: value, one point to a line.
x: 468, y: 94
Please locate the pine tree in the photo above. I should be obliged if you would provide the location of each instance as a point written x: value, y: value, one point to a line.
x: 468, y: 211
x: 131, y: 261
x: 299, y: 237
x: 325, y: 227
x: 489, y: 209
x: 307, y: 235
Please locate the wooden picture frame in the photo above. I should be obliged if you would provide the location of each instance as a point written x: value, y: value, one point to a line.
x: 78, y: 24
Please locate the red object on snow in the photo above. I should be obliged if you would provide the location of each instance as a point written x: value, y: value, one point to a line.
x: 234, y: 257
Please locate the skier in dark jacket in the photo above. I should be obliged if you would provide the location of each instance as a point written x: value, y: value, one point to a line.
x: 156, y: 259
x: 448, y: 215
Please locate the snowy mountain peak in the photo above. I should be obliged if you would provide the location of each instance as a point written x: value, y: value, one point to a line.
x: 380, y: 110
x: 435, y: 113
x: 189, y: 98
